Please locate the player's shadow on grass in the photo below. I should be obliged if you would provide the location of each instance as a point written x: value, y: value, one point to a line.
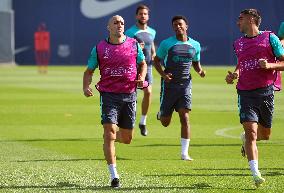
x: 67, y: 160
x: 266, y: 171
x: 61, y: 186
x: 39, y: 140
x: 66, y: 186
x: 219, y: 169
x: 192, y: 145
x: 58, y: 160
x: 195, y: 175
x: 170, y: 188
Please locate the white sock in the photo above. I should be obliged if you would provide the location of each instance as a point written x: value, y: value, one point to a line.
x: 253, y: 164
x: 184, y: 146
x: 113, y: 171
x: 143, y: 119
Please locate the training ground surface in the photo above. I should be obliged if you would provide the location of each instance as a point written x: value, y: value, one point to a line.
x: 51, y: 139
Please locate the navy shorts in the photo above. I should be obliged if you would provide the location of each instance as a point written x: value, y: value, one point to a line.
x: 175, y: 98
x: 119, y: 109
x: 257, y: 109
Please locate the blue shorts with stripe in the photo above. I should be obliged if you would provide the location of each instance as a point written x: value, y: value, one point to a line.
x: 119, y: 109
x: 256, y: 108
x: 175, y: 98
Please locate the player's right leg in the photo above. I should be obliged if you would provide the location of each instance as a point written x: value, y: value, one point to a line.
x: 250, y: 140
x: 248, y: 112
x: 109, y: 152
x: 168, y: 97
x: 252, y: 152
x: 109, y: 114
x: 109, y: 139
x: 255, y: 113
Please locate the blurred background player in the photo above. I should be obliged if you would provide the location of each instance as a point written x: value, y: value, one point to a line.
x: 143, y: 33
x: 42, y: 47
x: 116, y: 58
x: 257, y: 53
x: 179, y: 53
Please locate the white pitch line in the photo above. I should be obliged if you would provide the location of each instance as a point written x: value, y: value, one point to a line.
x: 222, y: 132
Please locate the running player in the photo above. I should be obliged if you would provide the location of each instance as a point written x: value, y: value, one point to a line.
x: 117, y: 58
x: 178, y: 54
x: 257, y: 53
x: 142, y: 32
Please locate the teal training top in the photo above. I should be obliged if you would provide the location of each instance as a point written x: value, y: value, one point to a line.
x: 178, y: 56
x: 147, y: 36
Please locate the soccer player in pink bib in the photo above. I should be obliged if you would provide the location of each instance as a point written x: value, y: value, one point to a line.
x: 122, y: 66
x: 260, y: 57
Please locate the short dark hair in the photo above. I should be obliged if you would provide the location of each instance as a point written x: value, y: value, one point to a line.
x: 254, y: 13
x: 180, y: 17
x: 142, y: 6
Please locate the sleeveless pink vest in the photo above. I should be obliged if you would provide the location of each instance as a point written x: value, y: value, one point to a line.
x: 249, y: 51
x: 118, y: 68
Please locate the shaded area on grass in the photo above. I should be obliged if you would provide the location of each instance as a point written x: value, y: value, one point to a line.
x: 38, y: 140
x: 191, y: 145
x: 68, y: 160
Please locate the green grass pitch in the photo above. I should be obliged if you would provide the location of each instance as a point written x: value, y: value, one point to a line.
x: 51, y: 139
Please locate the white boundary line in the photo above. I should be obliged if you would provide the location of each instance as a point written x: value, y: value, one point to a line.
x: 222, y: 132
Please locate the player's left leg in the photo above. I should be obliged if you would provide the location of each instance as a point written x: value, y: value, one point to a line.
x: 185, y: 133
x: 146, y: 101
x: 39, y: 60
x: 263, y: 133
x: 266, y: 117
x: 45, y: 60
x: 264, y: 126
x: 109, y: 152
x: 124, y: 135
x: 183, y: 106
x: 126, y: 122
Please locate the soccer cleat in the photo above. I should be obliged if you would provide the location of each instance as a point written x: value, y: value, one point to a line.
x: 143, y: 130
x: 186, y: 158
x: 258, y: 180
x: 243, y: 138
x: 158, y: 115
x: 115, y: 183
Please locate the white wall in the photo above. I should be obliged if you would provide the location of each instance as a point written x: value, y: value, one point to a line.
x: 5, y: 5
